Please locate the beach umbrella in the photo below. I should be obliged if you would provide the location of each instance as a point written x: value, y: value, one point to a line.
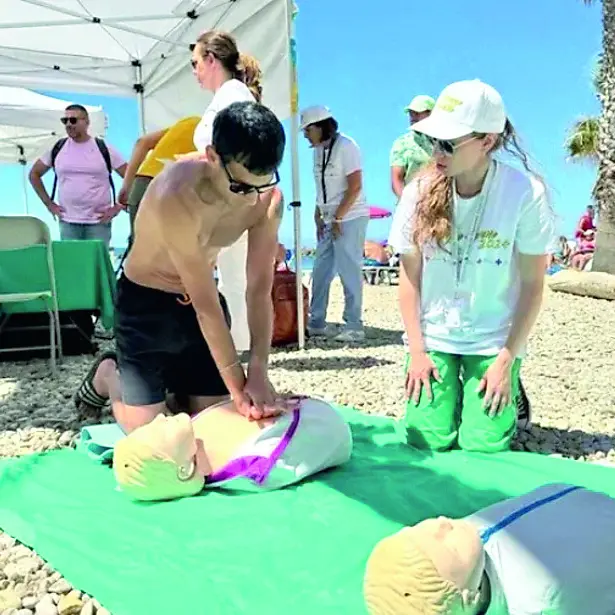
x: 377, y: 213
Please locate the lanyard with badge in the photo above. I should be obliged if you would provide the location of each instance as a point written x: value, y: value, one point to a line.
x: 326, y: 158
x: 461, y: 251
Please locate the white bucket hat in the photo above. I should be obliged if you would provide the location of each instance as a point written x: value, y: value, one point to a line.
x: 314, y: 114
x: 463, y: 108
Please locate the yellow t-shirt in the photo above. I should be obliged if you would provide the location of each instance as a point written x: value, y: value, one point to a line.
x: 178, y: 139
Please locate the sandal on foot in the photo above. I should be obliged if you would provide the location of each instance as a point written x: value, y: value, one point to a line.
x: 88, y: 402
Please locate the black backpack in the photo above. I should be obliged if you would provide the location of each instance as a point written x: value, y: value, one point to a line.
x: 104, y: 150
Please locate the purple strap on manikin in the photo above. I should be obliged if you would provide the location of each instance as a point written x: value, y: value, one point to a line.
x: 256, y: 467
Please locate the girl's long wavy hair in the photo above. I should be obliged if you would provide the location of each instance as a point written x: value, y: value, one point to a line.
x: 433, y: 216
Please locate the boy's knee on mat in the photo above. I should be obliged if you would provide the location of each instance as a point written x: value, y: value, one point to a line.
x: 430, y: 440
x: 482, y: 440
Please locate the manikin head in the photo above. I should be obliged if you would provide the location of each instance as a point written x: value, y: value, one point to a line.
x: 318, y: 125
x: 77, y: 121
x: 161, y: 460
x: 247, y: 147
x: 433, y: 568
x: 420, y: 108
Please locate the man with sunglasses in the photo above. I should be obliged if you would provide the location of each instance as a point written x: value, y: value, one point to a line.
x: 172, y: 325
x: 83, y: 167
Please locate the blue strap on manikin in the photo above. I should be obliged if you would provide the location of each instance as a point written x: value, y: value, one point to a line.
x: 512, y: 517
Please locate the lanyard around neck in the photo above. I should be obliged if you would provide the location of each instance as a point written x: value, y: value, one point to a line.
x: 326, y: 158
x: 461, y: 254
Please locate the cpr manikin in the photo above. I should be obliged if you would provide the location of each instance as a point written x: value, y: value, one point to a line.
x: 176, y: 456
x: 550, y: 552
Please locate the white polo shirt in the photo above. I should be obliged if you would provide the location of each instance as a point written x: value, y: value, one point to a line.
x: 518, y: 218
x: 230, y: 92
x: 339, y: 162
x: 558, y: 558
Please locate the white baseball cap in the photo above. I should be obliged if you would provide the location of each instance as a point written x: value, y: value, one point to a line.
x: 463, y: 108
x: 314, y: 114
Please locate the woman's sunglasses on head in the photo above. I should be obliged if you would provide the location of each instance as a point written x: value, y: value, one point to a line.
x: 69, y: 120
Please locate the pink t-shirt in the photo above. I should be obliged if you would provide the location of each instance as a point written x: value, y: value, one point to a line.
x: 84, y: 191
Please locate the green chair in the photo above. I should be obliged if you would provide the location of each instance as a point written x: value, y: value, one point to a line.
x: 17, y: 233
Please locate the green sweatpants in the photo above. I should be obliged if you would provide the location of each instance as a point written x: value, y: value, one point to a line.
x: 456, y: 413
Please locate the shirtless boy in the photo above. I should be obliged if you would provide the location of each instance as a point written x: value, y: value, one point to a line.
x: 171, y: 325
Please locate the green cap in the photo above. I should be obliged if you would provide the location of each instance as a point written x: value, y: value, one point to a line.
x: 421, y: 103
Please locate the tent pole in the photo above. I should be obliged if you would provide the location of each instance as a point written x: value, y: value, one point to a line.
x: 140, y: 95
x: 294, y: 150
x: 25, y: 186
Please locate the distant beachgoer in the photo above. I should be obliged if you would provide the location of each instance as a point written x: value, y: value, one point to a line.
x: 586, y: 226
x: 341, y: 218
x: 473, y: 234
x: 412, y: 150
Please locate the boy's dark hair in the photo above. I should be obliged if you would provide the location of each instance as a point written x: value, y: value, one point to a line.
x: 76, y: 107
x: 249, y: 133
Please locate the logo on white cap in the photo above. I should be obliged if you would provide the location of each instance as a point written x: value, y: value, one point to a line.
x: 463, y: 108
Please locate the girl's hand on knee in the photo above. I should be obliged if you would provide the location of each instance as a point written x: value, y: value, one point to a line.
x: 496, y: 386
x: 418, y: 377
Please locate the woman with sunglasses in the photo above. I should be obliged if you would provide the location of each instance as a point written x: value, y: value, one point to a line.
x: 232, y: 77
x: 474, y: 235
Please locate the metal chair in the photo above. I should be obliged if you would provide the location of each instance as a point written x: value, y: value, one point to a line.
x: 17, y: 233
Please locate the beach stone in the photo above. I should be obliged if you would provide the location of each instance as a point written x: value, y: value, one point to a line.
x: 24, y: 612
x: 87, y: 608
x: 9, y: 600
x: 102, y: 611
x: 29, y: 602
x: 61, y: 586
x: 70, y: 604
x: 20, y: 569
x: 8, y: 612
x: 46, y: 606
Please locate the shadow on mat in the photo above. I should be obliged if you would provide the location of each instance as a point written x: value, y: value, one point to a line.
x: 400, y: 483
x: 550, y: 440
x: 337, y: 363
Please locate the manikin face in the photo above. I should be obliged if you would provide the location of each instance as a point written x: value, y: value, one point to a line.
x: 173, y: 436
x: 454, y: 547
x: 457, y: 156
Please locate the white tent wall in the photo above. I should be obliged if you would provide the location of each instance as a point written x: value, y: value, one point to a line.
x: 140, y: 49
x: 30, y: 124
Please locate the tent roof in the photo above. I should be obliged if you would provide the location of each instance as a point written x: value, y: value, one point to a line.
x: 30, y: 123
x: 120, y: 47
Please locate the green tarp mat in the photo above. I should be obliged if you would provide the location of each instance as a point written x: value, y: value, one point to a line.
x: 299, y: 551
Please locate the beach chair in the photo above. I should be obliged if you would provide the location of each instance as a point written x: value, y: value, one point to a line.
x: 17, y: 233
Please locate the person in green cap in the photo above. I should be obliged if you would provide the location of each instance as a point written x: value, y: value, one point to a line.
x: 412, y: 150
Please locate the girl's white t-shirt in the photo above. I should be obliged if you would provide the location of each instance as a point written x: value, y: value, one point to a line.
x: 230, y: 92
x: 518, y: 219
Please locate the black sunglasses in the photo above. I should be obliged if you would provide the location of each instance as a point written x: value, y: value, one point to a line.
x: 238, y: 187
x: 69, y: 120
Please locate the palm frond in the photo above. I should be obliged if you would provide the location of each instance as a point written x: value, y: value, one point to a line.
x: 582, y: 142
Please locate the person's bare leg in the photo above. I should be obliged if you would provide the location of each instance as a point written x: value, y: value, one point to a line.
x: 107, y: 384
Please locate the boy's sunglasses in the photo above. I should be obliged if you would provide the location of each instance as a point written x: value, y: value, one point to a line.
x: 69, y: 120
x: 238, y: 187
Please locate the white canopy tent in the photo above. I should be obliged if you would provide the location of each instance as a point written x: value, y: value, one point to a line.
x: 141, y: 49
x: 30, y: 124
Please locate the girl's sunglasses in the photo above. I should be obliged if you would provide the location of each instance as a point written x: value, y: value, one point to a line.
x: 69, y: 120
x: 449, y: 146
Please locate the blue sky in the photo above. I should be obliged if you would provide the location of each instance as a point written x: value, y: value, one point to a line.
x: 367, y: 64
